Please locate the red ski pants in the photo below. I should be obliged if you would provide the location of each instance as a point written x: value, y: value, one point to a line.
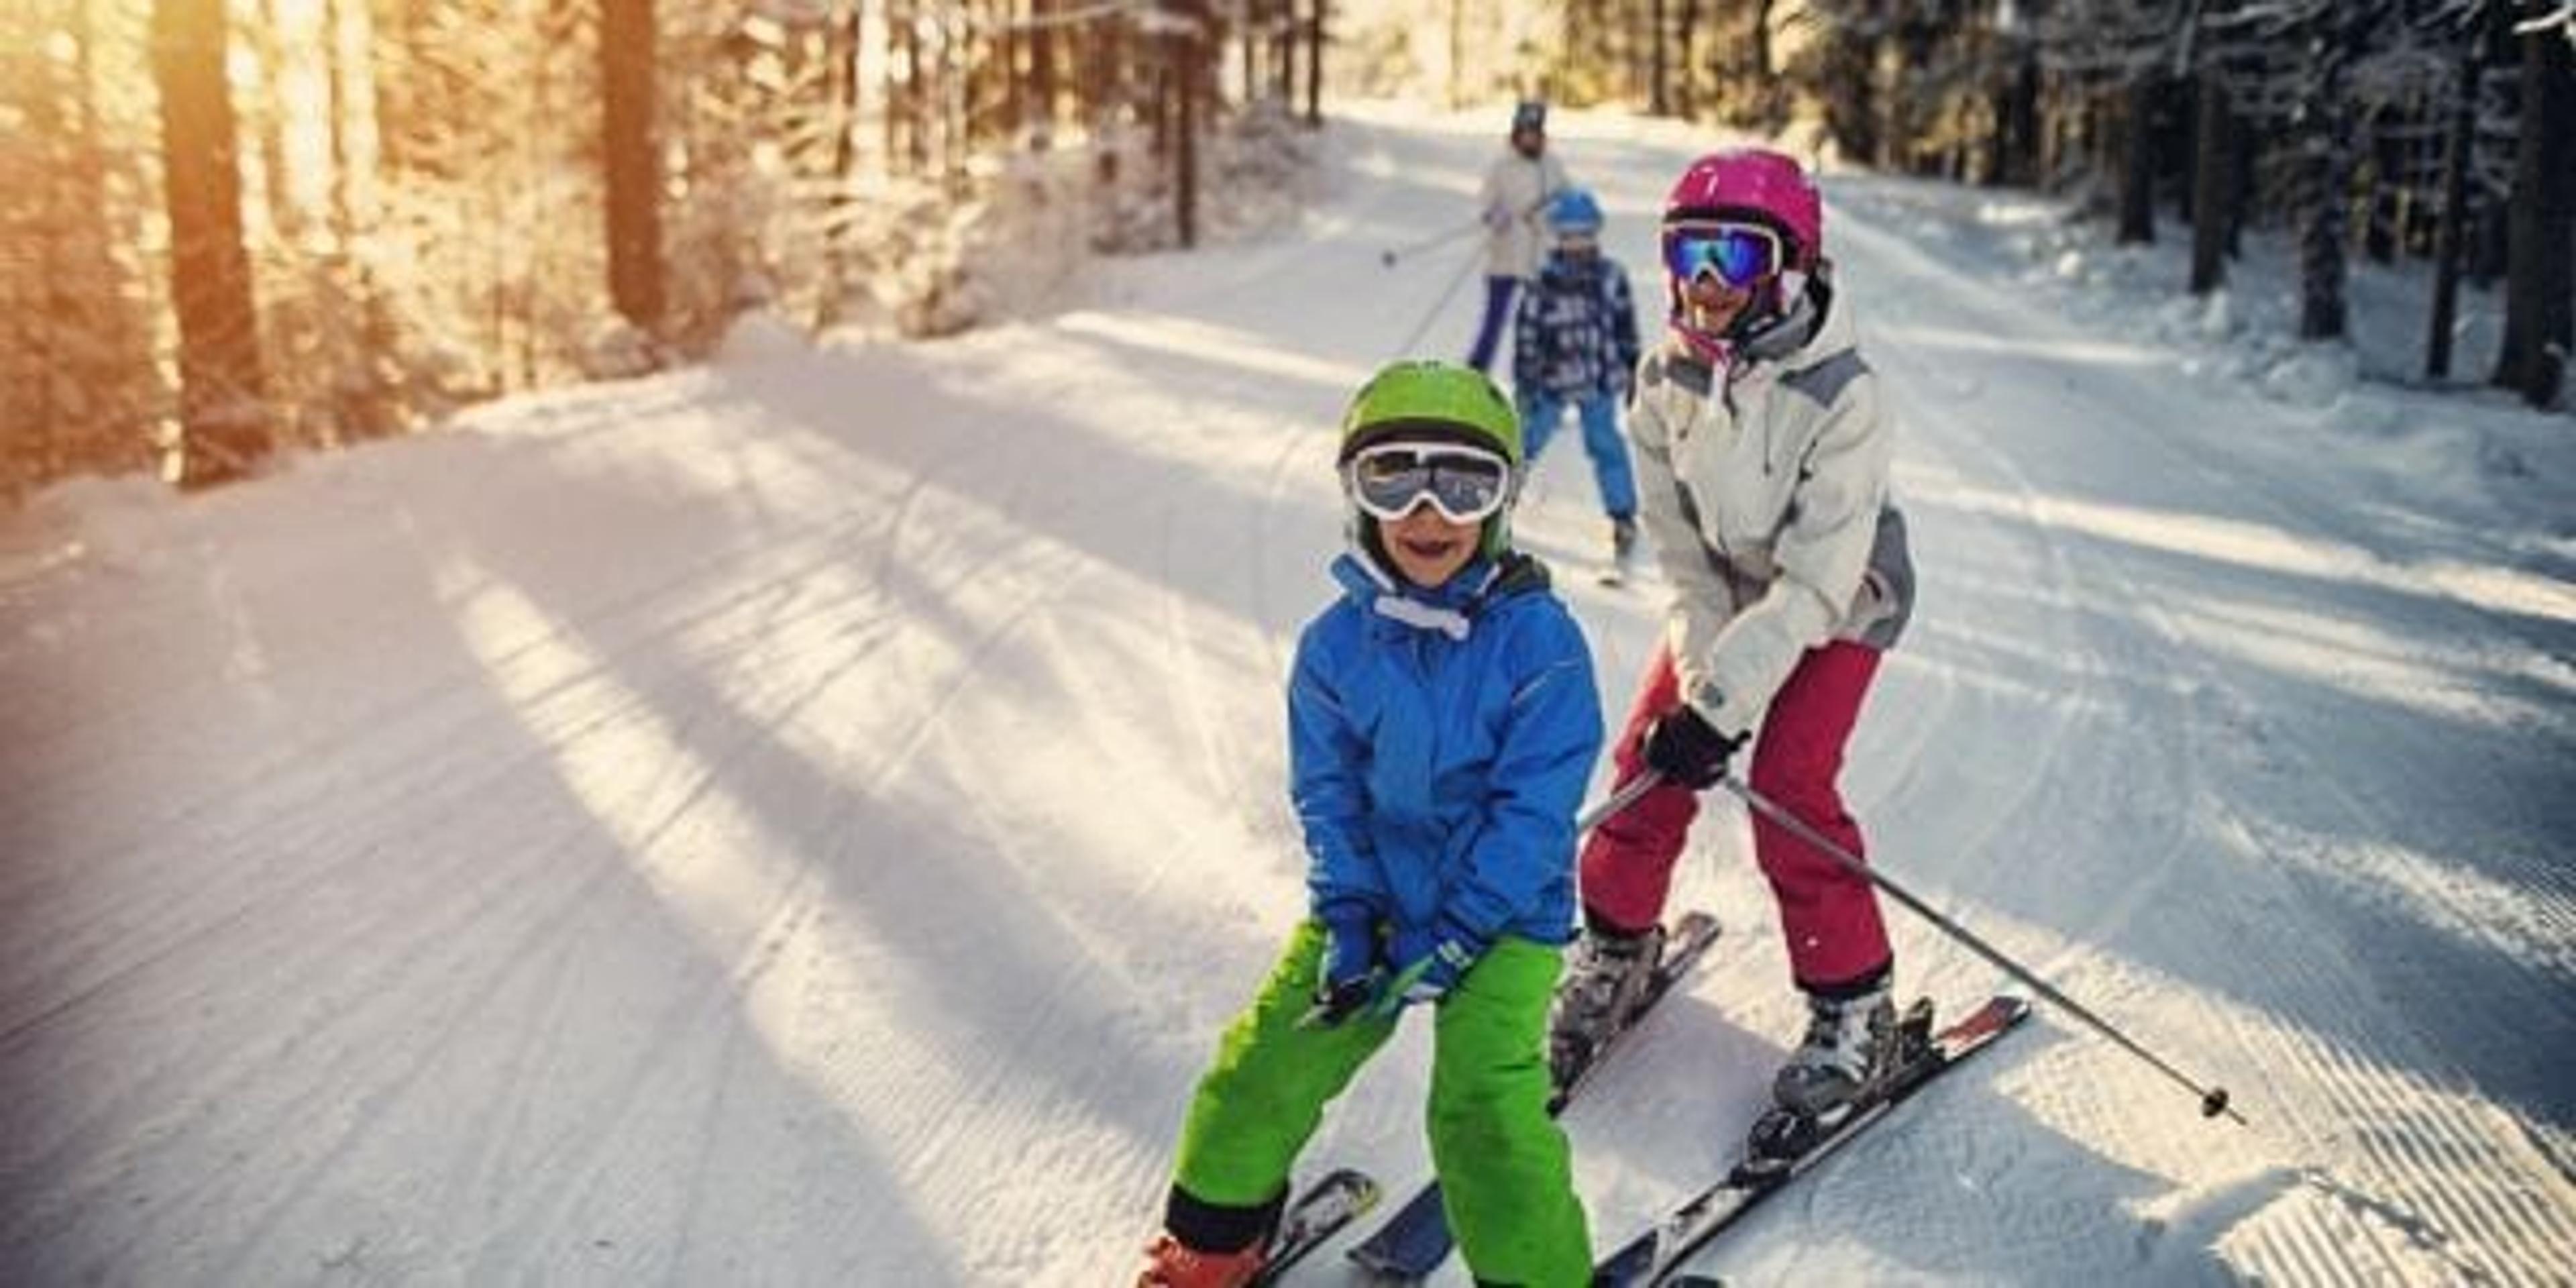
x: 1829, y: 916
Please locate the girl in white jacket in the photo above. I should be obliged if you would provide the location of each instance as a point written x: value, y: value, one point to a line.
x: 1762, y: 459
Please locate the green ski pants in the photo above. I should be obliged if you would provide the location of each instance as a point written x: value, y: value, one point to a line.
x: 1503, y: 1166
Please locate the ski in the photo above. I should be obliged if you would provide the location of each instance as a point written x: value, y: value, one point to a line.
x: 1412, y: 1243
x: 1652, y: 1257
x: 1325, y: 1208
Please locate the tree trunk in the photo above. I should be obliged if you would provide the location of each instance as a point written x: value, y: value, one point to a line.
x: 2324, y: 133
x: 2138, y: 162
x: 2449, y: 236
x: 2387, y: 195
x: 1160, y: 105
x: 1658, y: 99
x: 1283, y: 48
x: 842, y: 50
x: 2213, y: 194
x: 1182, y: 50
x: 1315, y: 62
x: 956, y: 64
x: 897, y: 13
x: 1043, y: 40
x: 2540, y: 279
x: 913, y: 99
x: 1251, y: 47
x: 2015, y: 156
x: 223, y: 416
x: 1105, y: 73
x: 841, y: 41
x: 634, y: 178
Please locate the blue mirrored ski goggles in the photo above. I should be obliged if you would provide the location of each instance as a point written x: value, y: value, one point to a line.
x: 1740, y: 254
x: 1465, y: 484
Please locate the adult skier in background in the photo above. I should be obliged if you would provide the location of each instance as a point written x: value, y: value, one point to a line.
x: 1574, y: 344
x: 1763, y: 456
x: 1516, y: 190
x: 1442, y: 724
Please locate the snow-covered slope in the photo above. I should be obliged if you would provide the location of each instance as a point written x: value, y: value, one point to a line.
x: 805, y: 820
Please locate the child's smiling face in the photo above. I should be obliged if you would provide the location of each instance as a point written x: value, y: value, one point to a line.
x: 1713, y: 304
x: 1426, y: 548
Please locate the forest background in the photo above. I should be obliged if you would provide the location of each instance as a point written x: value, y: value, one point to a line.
x: 232, y: 228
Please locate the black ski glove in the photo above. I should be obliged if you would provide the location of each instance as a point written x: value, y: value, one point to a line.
x: 1685, y: 748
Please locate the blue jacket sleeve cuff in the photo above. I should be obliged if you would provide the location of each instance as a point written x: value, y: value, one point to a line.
x: 1347, y: 915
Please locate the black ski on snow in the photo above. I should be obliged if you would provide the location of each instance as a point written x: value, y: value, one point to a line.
x: 1322, y: 1211
x: 1781, y: 1151
x: 1413, y: 1242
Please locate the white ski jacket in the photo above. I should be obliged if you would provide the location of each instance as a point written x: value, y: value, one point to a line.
x: 1513, y: 202
x: 1765, y: 489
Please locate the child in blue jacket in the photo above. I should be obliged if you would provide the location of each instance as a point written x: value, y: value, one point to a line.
x: 1575, y: 344
x: 1442, y: 722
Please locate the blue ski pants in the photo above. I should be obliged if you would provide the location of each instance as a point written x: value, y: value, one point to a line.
x: 1599, y: 414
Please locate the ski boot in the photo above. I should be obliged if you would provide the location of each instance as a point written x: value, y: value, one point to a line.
x: 1606, y: 976
x: 1851, y: 1046
x: 1169, y: 1263
x: 1623, y: 550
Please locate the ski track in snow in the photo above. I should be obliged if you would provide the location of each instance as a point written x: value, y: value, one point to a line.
x: 806, y: 820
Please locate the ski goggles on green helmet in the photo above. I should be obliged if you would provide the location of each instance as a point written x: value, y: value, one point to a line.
x: 1740, y: 254
x: 1465, y: 484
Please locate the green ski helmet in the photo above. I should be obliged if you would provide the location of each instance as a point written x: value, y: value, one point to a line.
x: 1423, y: 400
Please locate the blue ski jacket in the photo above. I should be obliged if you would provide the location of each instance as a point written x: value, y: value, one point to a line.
x: 1439, y: 746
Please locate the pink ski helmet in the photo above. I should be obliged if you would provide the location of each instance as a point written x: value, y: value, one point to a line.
x: 1743, y: 185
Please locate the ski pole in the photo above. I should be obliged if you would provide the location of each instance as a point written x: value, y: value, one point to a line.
x: 1387, y: 258
x: 1419, y: 328
x: 1625, y: 796
x: 1410, y: 249
x: 2213, y: 1100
